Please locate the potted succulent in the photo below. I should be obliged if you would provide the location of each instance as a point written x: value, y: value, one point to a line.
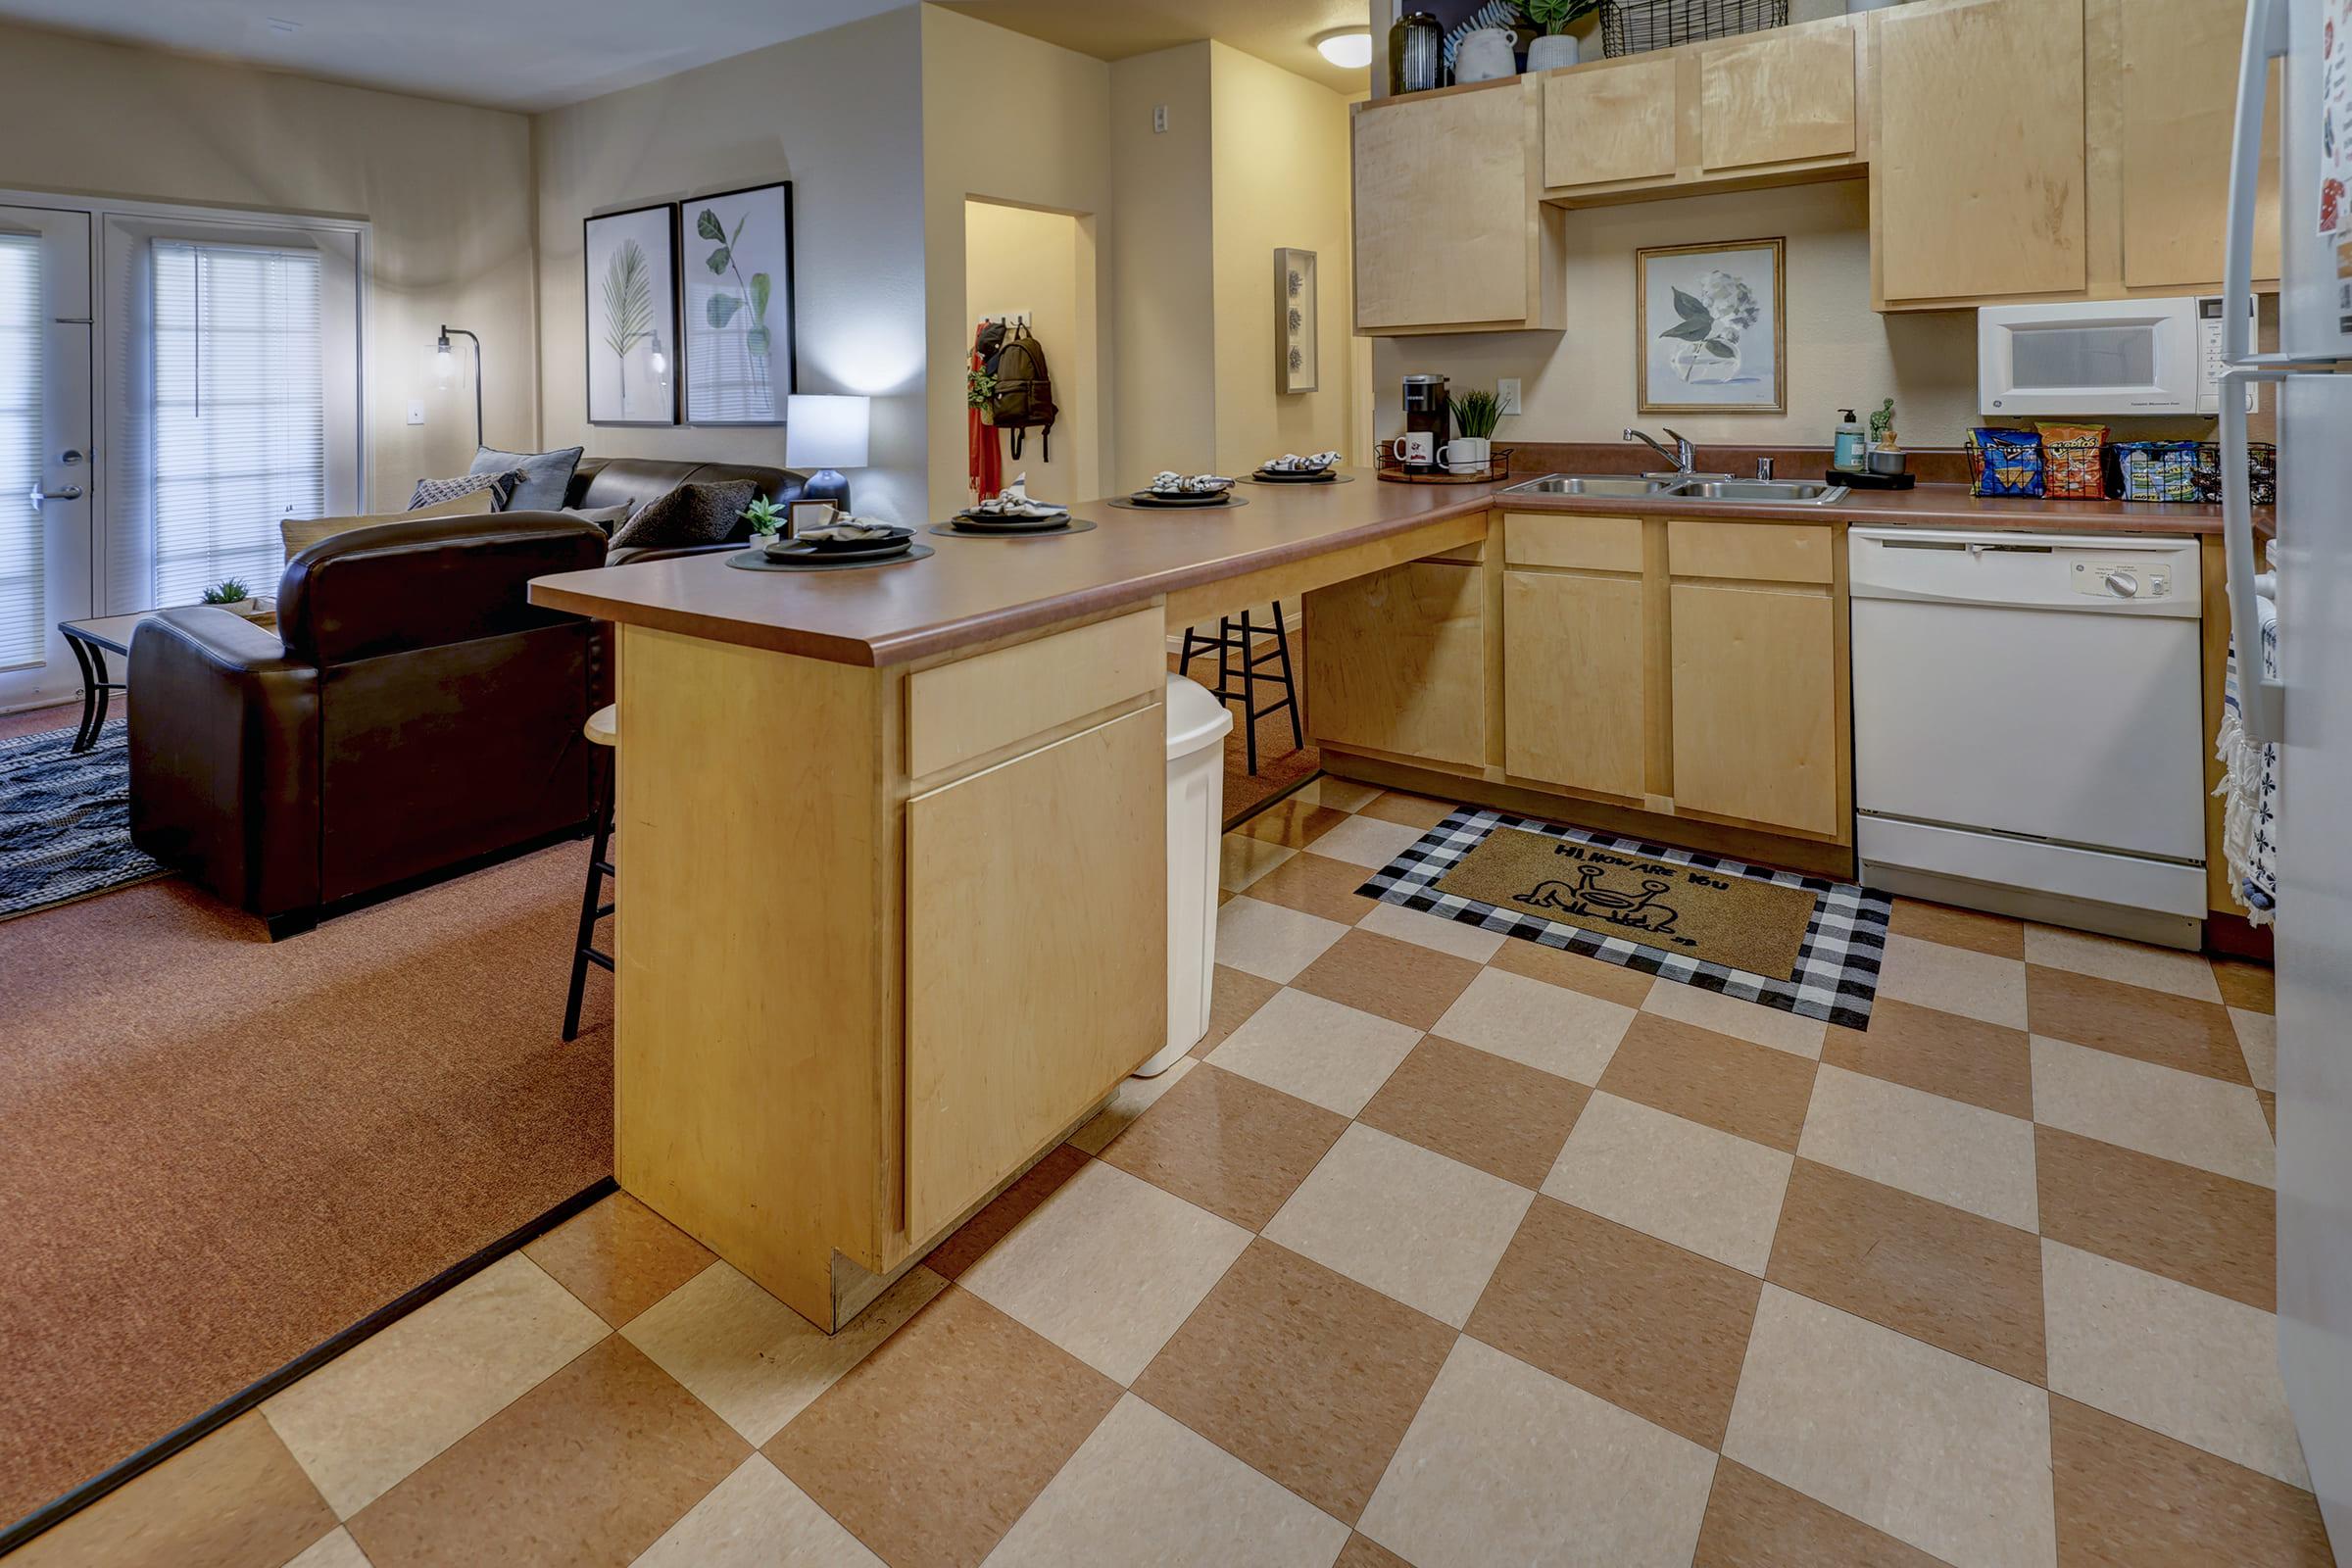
x: 1886, y: 452
x: 1555, y: 48
x: 767, y: 520
x: 232, y: 594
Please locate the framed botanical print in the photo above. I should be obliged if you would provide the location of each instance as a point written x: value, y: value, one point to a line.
x: 632, y: 263
x: 1713, y: 333
x: 1293, y: 320
x: 739, y: 329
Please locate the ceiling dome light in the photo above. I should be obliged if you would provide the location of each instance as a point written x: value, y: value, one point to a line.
x: 1351, y: 48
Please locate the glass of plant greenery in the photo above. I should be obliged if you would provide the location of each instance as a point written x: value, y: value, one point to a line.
x: 1476, y: 413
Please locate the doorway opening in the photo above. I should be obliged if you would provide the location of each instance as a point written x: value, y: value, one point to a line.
x: 1039, y: 266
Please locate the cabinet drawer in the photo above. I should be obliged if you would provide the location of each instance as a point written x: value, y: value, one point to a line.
x: 1750, y: 551
x: 1582, y: 542
x: 966, y: 709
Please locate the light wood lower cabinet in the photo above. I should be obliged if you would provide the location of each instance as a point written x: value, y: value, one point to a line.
x: 1755, y: 683
x: 1396, y: 661
x: 1572, y: 657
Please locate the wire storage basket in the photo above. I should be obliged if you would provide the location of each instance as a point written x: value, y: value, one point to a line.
x: 1636, y: 26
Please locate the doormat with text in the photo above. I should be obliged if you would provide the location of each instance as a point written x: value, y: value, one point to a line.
x: 1804, y: 945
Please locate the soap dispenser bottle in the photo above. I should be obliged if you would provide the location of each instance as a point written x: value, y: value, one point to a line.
x: 1846, y: 450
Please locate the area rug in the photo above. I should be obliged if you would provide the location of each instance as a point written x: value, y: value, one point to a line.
x: 1804, y: 945
x: 216, y: 1152
x: 65, y: 821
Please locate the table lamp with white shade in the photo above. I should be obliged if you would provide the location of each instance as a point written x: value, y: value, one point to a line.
x: 823, y: 435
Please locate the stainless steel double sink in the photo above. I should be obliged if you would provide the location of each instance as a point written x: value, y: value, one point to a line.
x: 1684, y: 487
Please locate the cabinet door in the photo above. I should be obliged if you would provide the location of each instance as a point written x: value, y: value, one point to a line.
x: 1572, y: 662
x: 1755, y: 701
x: 1396, y: 661
x: 1441, y: 210
x: 1977, y: 179
x: 2178, y: 61
x: 1608, y: 123
x: 1035, y: 954
x: 1778, y: 97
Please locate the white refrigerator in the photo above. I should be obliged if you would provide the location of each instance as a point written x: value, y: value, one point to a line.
x: 2309, y: 709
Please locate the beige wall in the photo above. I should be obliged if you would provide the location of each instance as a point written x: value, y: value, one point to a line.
x: 446, y: 189
x: 1580, y: 384
x: 839, y: 115
x: 1019, y: 261
x: 1163, y: 299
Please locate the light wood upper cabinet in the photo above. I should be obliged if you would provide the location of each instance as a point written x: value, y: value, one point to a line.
x: 1396, y: 661
x: 2178, y: 78
x: 1977, y: 165
x: 1778, y: 97
x: 1572, y: 662
x: 1448, y: 233
x: 1610, y: 122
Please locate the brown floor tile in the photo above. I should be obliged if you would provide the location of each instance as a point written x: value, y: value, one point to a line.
x: 1608, y: 981
x: 1234, y: 995
x: 1751, y: 1091
x: 1401, y: 980
x: 1997, y: 934
x: 1643, y: 1324
x: 1228, y: 1144
x: 1304, y: 1374
x: 2192, y: 1225
x: 1012, y: 1205
x: 1363, y: 1551
x: 1294, y: 822
x: 1413, y: 811
x: 2133, y: 1021
x: 1958, y: 1281
x: 2245, y: 984
x: 590, y: 1467
x: 2129, y: 1497
x: 1942, y: 1052
x: 619, y: 1257
x: 2270, y: 1108
x: 235, y: 1500
x: 1503, y: 1117
x: 1754, y: 1522
x: 1316, y: 884
x: 937, y: 1442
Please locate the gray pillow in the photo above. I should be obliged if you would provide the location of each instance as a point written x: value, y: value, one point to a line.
x: 704, y: 514
x: 546, y: 476
x: 606, y: 517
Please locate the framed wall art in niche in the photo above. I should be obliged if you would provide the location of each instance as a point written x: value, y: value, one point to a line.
x: 738, y: 316
x: 1295, y: 320
x: 631, y: 269
x: 1712, y: 329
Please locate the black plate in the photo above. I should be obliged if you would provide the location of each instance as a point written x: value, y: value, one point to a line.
x: 1319, y: 476
x: 1152, y: 498
x: 845, y: 550
x: 985, y: 525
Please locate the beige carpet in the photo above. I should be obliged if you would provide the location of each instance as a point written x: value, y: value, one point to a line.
x: 216, y: 1152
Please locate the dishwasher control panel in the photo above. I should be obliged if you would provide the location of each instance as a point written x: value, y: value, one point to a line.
x: 2123, y: 580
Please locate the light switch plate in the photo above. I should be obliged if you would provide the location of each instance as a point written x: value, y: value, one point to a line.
x: 415, y: 410
x: 1507, y: 393
x: 1159, y: 119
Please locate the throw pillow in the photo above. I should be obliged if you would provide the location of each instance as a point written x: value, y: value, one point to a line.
x: 706, y: 514
x: 500, y: 485
x: 604, y: 517
x: 300, y: 533
x: 546, y: 476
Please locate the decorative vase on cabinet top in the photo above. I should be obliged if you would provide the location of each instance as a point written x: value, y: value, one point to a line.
x: 1485, y: 55
x: 1551, y: 51
x: 1416, y: 53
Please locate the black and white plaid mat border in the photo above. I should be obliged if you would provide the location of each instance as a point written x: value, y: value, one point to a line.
x: 1836, y: 977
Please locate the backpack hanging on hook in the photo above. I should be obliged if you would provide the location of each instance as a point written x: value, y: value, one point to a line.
x: 1021, y: 397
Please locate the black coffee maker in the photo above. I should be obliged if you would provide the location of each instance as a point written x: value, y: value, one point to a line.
x: 1428, y: 424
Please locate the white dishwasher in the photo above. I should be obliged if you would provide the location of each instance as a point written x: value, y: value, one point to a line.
x: 2028, y: 725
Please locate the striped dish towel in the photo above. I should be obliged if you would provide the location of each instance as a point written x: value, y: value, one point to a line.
x: 2250, y: 788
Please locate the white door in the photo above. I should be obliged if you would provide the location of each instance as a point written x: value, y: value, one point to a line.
x: 45, y: 450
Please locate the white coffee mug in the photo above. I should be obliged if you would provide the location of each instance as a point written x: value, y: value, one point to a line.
x: 1465, y: 454
x: 1415, y: 448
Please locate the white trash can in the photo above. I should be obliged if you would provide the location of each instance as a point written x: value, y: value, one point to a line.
x: 1197, y: 724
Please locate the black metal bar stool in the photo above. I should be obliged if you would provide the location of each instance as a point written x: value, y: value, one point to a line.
x: 1242, y: 640
x: 603, y: 730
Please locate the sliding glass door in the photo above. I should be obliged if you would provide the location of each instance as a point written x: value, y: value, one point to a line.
x: 45, y: 467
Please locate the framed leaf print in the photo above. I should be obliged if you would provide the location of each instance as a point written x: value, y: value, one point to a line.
x: 737, y: 257
x: 632, y: 263
x: 1713, y: 333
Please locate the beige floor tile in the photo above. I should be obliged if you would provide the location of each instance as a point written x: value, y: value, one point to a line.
x: 1316, y: 885
x: 1546, y: 1026
x: 1754, y: 1522
x: 1975, y: 985
x: 373, y: 1414
x: 2130, y: 1020
x: 1400, y: 980
x: 1740, y: 1020
x: 757, y: 1518
x: 984, y: 1230
x: 619, y: 1257
x: 2257, y: 1040
x: 2174, y: 1115
x: 1318, y: 1051
x: 1242, y: 861
x: 1228, y: 1144
x: 234, y: 1500
x: 2176, y: 1360
x: 1504, y: 1118
x: 1416, y: 1226
x: 1717, y: 1194
x: 1146, y: 1490
x: 1233, y: 995
x: 1367, y: 840
x: 2134, y: 964
x: 1341, y: 794
x: 1293, y: 821
x: 333, y: 1550
x: 2129, y: 1497
x: 1734, y: 1086
x: 755, y: 1360
x: 1419, y: 926
x: 1128, y: 1102
x: 1506, y: 1464
x: 1270, y: 941
x: 1942, y: 1052
x: 1107, y: 1267
x: 1952, y: 1458
x: 2197, y: 1225
x: 1947, y: 1149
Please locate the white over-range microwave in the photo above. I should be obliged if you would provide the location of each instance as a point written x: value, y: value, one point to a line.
x: 2101, y: 357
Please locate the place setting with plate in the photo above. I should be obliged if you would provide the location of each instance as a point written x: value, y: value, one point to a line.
x: 819, y: 537
x: 1290, y: 469
x: 1169, y: 490
x: 1011, y: 514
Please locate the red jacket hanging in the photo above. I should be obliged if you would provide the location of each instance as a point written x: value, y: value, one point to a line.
x: 985, y: 472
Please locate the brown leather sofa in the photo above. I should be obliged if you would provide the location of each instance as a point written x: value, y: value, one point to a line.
x: 611, y: 481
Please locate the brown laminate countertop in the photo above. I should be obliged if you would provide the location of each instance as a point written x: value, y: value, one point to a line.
x: 974, y: 590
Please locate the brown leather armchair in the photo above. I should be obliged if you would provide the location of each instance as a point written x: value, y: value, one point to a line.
x: 411, y: 713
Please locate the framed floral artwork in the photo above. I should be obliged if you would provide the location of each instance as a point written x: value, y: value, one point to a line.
x: 737, y: 261
x: 631, y: 300
x: 1294, y: 344
x: 1713, y: 332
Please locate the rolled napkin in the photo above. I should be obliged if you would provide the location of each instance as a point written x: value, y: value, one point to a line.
x: 1292, y: 462
x: 1168, y: 482
x: 1013, y: 501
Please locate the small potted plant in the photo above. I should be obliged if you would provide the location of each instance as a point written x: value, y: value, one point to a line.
x: 767, y: 520
x: 1886, y: 452
x: 1476, y: 413
x: 232, y: 594
x: 1555, y: 48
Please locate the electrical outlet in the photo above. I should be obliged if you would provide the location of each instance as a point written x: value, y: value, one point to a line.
x: 415, y: 410
x: 1507, y: 393
x: 1159, y: 120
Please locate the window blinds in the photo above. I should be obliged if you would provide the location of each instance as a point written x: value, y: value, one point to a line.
x: 23, y: 583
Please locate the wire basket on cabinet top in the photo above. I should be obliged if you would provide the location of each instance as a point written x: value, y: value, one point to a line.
x: 1636, y: 26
